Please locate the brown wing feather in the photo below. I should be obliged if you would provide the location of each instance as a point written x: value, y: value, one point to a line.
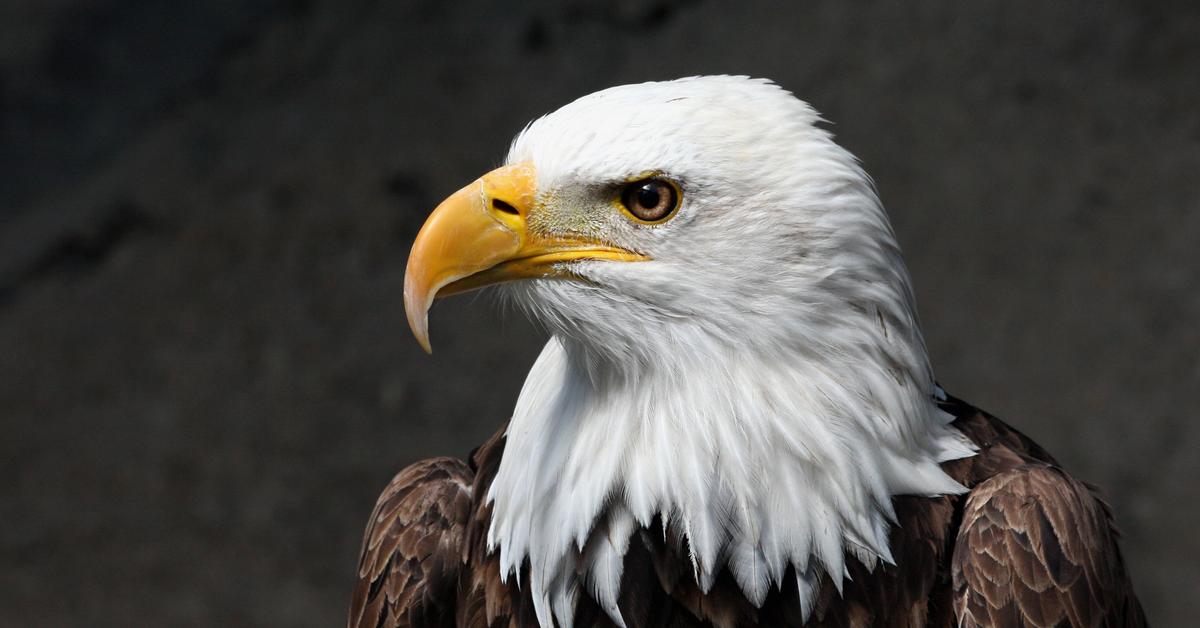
x: 1037, y: 548
x: 412, y: 548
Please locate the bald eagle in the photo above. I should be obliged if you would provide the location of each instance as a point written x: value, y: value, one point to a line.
x: 734, y: 422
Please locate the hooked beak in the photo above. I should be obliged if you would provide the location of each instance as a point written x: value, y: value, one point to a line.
x: 478, y: 237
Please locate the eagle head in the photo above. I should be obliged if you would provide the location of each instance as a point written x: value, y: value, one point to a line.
x: 708, y: 213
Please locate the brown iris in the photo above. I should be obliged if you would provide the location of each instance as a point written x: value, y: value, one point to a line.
x: 650, y: 200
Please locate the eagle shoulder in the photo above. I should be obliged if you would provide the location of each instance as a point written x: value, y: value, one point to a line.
x: 412, y: 549
x: 1036, y: 547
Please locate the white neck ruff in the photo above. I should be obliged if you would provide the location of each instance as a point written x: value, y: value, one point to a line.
x: 762, y: 463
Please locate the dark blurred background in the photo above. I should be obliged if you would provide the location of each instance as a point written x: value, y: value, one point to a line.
x: 205, y: 210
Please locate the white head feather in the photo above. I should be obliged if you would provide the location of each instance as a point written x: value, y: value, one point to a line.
x: 761, y: 385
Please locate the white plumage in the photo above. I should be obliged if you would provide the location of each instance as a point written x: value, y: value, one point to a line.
x: 761, y: 384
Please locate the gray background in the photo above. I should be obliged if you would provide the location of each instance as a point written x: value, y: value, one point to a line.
x: 205, y: 209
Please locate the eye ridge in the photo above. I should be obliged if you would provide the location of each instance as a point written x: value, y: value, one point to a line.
x: 650, y: 200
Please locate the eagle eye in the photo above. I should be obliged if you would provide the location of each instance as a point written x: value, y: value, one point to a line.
x: 650, y: 200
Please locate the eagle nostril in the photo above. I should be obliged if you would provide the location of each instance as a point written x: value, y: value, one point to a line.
x: 503, y: 206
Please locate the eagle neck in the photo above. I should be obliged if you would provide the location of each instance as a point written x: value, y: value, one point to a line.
x: 758, y: 466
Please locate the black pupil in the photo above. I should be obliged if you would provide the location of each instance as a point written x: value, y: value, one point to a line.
x: 649, y: 195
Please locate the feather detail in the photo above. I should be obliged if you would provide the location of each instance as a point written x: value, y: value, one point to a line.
x: 604, y: 559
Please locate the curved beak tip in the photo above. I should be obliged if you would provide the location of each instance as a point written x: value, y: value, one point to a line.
x: 420, y: 329
x: 422, y: 336
x: 416, y: 308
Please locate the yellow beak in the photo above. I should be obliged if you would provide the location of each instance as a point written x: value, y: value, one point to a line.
x: 479, y: 237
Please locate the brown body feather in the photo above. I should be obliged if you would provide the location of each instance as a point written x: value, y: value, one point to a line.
x: 1028, y: 546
